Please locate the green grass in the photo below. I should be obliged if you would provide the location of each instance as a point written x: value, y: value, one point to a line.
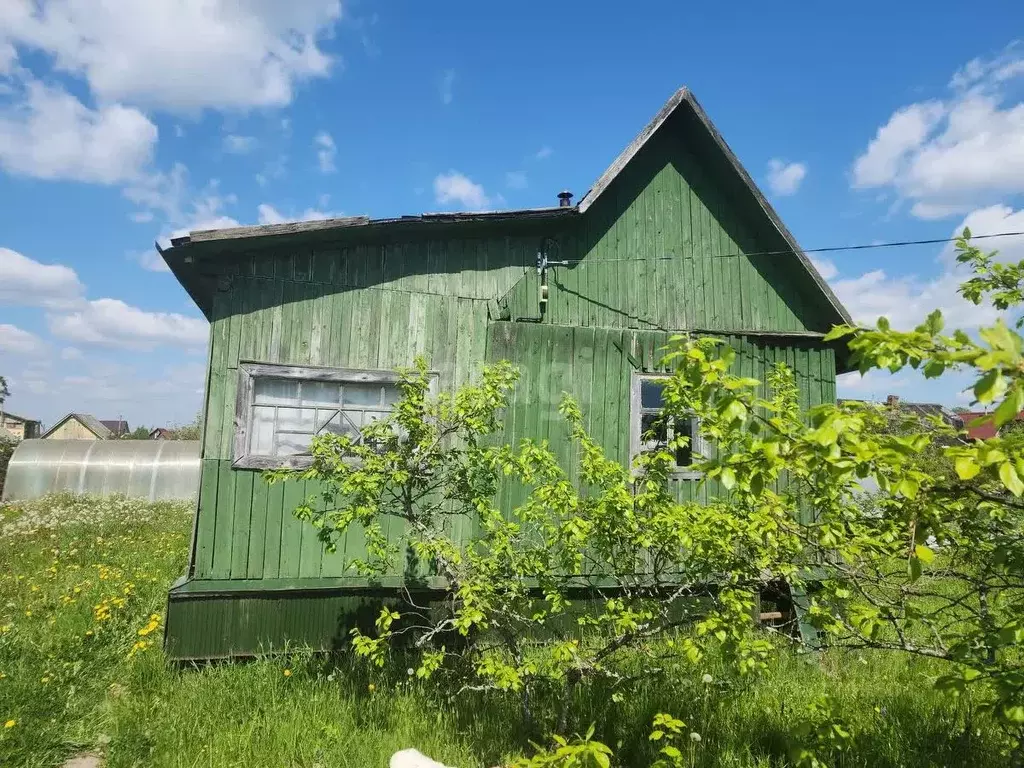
x: 73, y: 683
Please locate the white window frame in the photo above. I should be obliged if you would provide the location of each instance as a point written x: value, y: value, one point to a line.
x: 698, y: 446
x: 249, y: 372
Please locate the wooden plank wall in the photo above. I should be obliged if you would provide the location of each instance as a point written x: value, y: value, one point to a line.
x: 302, y: 309
x: 595, y: 366
x: 667, y: 247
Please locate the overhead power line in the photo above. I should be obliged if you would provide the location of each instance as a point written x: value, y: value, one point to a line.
x: 828, y: 249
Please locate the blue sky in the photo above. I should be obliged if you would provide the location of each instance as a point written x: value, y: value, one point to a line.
x: 125, y: 122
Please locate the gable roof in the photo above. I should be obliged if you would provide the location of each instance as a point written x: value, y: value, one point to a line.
x: 88, y: 421
x: 681, y: 101
x: 117, y: 427
x: 7, y: 415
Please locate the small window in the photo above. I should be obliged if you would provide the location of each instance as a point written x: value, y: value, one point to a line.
x: 280, y: 409
x: 650, y: 431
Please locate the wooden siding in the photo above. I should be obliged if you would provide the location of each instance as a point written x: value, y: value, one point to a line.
x: 246, y: 530
x: 666, y: 247
x: 595, y: 366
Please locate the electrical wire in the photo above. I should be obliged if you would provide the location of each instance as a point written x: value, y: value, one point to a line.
x: 829, y: 249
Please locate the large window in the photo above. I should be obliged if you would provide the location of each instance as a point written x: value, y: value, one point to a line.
x: 651, y: 431
x: 280, y: 409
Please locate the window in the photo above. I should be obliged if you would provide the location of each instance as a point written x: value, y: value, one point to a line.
x: 281, y: 408
x: 649, y: 430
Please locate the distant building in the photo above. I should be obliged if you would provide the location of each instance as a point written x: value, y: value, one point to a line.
x: 981, y: 428
x: 117, y: 427
x: 161, y: 433
x: 83, y: 426
x: 952, y: 418
x: 19, y: 427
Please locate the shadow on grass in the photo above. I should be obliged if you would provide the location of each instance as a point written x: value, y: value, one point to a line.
x: 896, y: 717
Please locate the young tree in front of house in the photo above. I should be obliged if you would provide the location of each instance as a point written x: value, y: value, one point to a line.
x: 139, y: 433
x: 934, y: 567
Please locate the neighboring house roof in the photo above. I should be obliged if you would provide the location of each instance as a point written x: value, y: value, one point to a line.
x: 923, y: 410
x: 984, y: 428
x: 88, y: 421
x: 117, y: 427
x: 8, y: 416
x: 182, y: 255
x: 161, y: 433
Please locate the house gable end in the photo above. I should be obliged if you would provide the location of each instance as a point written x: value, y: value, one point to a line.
x: 677, y: 240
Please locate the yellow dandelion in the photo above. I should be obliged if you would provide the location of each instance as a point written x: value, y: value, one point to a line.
x: 10, y: 723
x: 287, y: 673
x: 28, y: 613
x: 371, y: 687
x: 44, y: 680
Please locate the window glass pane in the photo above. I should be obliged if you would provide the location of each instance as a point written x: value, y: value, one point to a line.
x: 296, y: 420
x: 361, y: 394
x: 652, y: 428
x: 292, y: 444
x: 324, y: 416
x: 320, y: 393
x: 650, y: 393
x: 269, y: 391
x: 338, y: 424
x: 261, y: 436
x: 684, y: 454
x: 392, y: 394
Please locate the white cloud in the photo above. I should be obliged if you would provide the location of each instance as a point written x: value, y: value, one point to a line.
x: 516, y: 180
x: 112, y: 322
x: 142, y: 217
x: 907, y: 299
x: 179, y: 56
x: 952, y: 156
x: 168, y: 193
x: 16, y: 341
x: 785, y: 178
x: 240, y: 145
x: 267, y: 214
x: 26, y: 281
x: 445, y: 86
x: 49, y: 134
x: 826, y: 268
x: 325, y: 151
x: 454, y: 187
x: 543, y: 153
x: 151, y: 261
x: 71, y: 353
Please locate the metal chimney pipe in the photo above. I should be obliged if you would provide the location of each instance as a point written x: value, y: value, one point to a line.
x: 564, y: 198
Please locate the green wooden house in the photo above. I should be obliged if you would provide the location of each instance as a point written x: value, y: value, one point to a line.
x: 309, y: 320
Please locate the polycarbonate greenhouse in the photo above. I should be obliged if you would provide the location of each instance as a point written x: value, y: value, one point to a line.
x: 147, y: 469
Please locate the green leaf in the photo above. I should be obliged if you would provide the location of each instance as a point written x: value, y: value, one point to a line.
x: 883, y: 324
x: 915, y: 569
x: 908, y: 487
x: 1008, y: 474
x: 924, y: 553
x: 1010, y: 407
x: 990, y: 386
x: 728, y: 478
x: 966, y: 467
